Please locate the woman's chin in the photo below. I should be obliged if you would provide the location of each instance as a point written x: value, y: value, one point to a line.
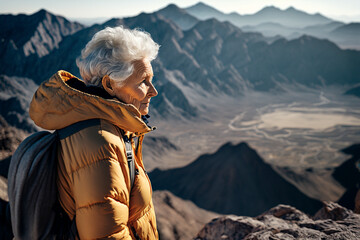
x: 144, y: 111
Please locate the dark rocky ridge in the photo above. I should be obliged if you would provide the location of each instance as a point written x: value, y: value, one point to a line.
x: 233, y: 180
x: 286, y: 222
x: 348, y: 175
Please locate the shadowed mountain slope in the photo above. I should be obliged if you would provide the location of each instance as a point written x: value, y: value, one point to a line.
x: 348, y: 175
x: 177, y: 218
x: 234, y: 180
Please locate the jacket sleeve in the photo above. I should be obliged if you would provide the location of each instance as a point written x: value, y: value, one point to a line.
x: 101, y: 188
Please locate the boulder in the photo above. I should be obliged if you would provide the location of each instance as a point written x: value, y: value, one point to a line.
x: 285, y: 222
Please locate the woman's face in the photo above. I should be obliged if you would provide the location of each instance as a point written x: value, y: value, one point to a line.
x: 138, y: 88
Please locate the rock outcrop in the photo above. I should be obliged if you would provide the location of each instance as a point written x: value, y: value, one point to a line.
x: 285, y: 222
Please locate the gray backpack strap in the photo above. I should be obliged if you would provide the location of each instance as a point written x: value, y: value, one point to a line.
x: 67, y: 131
x: 76, y: 127
x: 130, y: 159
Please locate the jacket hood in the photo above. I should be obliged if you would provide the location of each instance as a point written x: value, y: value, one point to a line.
x: 56, y: 105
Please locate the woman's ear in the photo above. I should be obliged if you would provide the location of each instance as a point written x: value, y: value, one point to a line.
x: 106, y: 83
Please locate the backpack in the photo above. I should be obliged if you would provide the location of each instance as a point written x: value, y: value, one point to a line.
x: 35, y: 210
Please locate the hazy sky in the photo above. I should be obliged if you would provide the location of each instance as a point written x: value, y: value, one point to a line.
x: 345, y: 10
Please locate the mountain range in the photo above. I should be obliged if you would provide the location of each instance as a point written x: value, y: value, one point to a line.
x: 233, y: 180
x: 291, y: 16
x: 232, y: 64
x: 289, y: 23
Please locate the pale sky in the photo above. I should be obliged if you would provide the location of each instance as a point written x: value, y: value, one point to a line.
x: 344, y: 10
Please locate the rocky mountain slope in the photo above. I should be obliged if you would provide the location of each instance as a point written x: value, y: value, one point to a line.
x: 15, y: 96
x: 10, y: 138
x: 26, y: 38
x: 177, y: 218
x: 38, y: 33
x: 233, y: 180
x: 286, y: 222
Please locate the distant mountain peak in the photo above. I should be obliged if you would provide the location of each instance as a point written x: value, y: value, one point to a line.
x: 171, y: 6
x: 290, y: 9
x: 179, y: 16
x: 234, y: 14
x: 269, y: 8
x: 200, y: 6
x: 42, y: 13
x: 171, y: 9
x: 238, y: 146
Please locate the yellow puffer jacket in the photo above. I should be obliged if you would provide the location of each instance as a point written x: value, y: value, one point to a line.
x: 93, y: 175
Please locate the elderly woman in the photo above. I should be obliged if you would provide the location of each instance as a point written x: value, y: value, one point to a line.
x: 93, y: 173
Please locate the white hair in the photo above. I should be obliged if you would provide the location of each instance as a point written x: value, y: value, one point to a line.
x: 112, y: 51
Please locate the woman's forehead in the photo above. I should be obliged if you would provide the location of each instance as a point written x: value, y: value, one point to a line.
x: 143, y: 68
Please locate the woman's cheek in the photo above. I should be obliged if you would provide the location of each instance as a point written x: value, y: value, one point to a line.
x: 142, y: 91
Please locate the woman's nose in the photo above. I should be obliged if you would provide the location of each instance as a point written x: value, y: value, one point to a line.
x: 152, y: 91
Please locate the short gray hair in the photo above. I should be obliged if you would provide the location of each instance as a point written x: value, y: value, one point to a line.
x: 112, y: 51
